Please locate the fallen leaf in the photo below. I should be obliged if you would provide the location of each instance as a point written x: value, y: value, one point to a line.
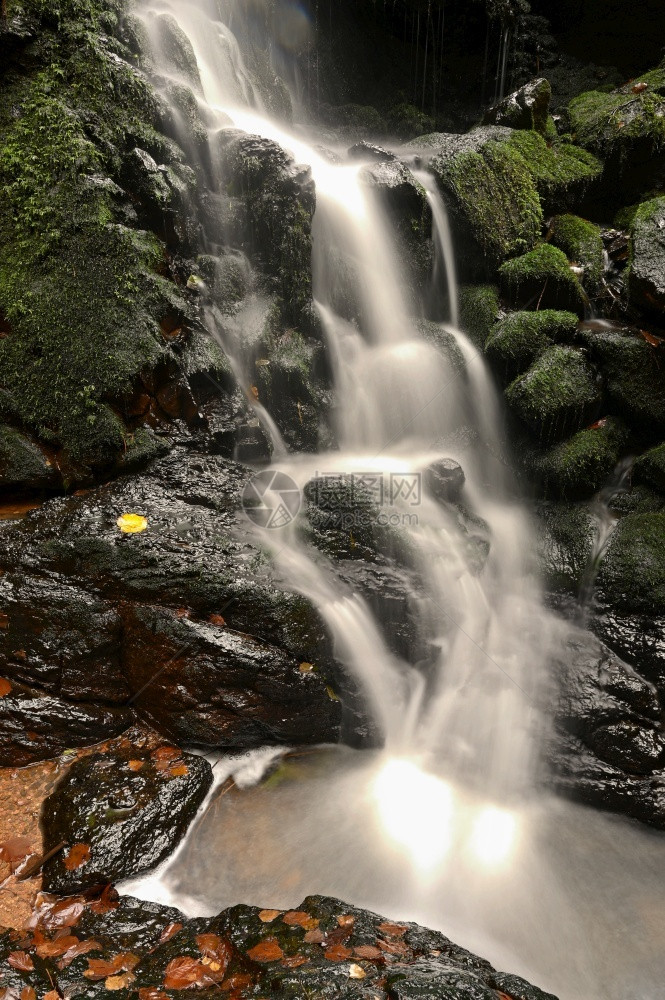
x: 338, y: 953
x: 135, y: 765
x: 4, y: 620
x: 50, y: 949
x: 217, y: 620
x: 152, y: 993
x: 638, y: 88
x: 392, y: 930
x: 20, y: 654
x: 315, y: 937
x: 63, y: 913
x: 5, y: 687
x: 183, y: 972
x: 266, y: 951
x: 254, y: 392
x: 393, y: 947
x: 294, y: 961
x: 346, y: 920
x: 109, y: 900
x: 132, y: 524
x: 20, y: 960
x: 267, y: 916
x: 216, y: 948
x: 28, y: 993
x: 169, y: 931
x: 367, y: 951
x: 119, y: 982
x: 100, y: 968
x: 599, y: 424
x: 356, y: 972
x: 166, y: 754
x: 15, y: 849
x: 78, y: 856
x: 238, y: 981
x: 298, y: 918
x: 52, y: 995
x: 179, y: 771
x: 306, y: 668
x: 82, y: 948
x: 650, y: 339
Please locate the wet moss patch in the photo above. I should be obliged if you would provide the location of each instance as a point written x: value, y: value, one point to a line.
x: 543, y: 279
x: 519, y: 338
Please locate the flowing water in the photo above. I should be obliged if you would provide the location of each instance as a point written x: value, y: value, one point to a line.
x: 443, y: 824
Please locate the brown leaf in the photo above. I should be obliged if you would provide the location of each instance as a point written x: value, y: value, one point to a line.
x: 367, y: 951
x: 82, y: 948
x: 109, y: 900
x: 639, y: 87
x: 217, y: 620
x: 254, y: 392
x: 166, y: 754
x: 650, y: 339
x: 15, y: 849
x: 135, y: 765
x: 183, y: 972
x: 28, y: 993
x: 5, y: 686
x: 338, y: 953
x: 169, y: 932
x: 52, y: 995
x: 392, y: 930
x: 78, y: 856
x: 266, y: 951
x: 294, y: 961
x: 346, y: 920
x: 100, y: 968
x: 179, y: 771
x: 20, y: 960
x: 63, y: 913
x: 4, y: 620
x: 298, y: 918
x: 267, y: 916
x: 315, y: 937
x: 119, y: 982
x: 393, y: 947
x: 238, y: 981
x: 217, y: 948
x: 152, y: 993
x: 50, y: 949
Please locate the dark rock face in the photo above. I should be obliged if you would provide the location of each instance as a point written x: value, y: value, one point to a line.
x: 611, y: 748
x: 182, y: 621
x: 445, y: 480
x: 123, y: 811
x: 324, y: 948
x: 526, y: 108
x: 647, y: 268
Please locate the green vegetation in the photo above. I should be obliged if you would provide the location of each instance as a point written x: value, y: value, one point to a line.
x: 650, y: 468
x: 633, y: 571
x: 557, y: 395
x: 478, y: 308
x: 581, y: 242
x: 561, y: 172
x: 519, y: 338
x: 493, y: 190
x: 542, y: 278
x: 646, y: 274
x: 579, y: 467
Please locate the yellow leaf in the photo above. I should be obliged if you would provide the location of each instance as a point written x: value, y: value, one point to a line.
x: 306, y: 668
x: 356, y: 972
x: 119, y: 982
x: 131, y: 524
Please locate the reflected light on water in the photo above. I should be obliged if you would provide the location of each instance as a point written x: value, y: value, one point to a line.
x: 493, y: 837
x: 416, y: 810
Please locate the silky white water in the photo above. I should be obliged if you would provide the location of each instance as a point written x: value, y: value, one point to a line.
x: 443, y: 824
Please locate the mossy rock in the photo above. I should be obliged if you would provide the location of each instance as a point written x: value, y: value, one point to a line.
x: 406, y: 121
x: 582, y: 243
x: 496, y: 210
x: 634, y: 376
x: 562, y: 172
x: 627, y: 129
x: 478, y: 309
x: 565, y: 534
x: 23, y: 465
x: 632, y: 574
x: 646, y: 275
x: 526, y: 108
x: 579, y: 467
x: 557, y: 395
x: 518, y: 339
x: 650, y: 468
x: 290, y: 385
x: 543, y: 279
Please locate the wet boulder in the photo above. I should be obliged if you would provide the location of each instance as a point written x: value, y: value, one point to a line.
x: 120, y: 813
x: 632, y: 575
x: 565, y: 534
x: 558, y: 394
x: 517, y: 340
x: 542, y: 279
x: 526, y: 108
x: 580, y: 466
x: 445, y: 479
x: 23, y: 464
x: 479, y: 309
x: 581, y: 241
x: 650, y: 468
x: 646, y: 275
x: 563, y: 173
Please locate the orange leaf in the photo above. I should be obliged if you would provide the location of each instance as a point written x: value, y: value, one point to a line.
x: 49, y: 949
x: 82, y: 948
x: 109, y: 900
x: 650, y: 339
x: 152, y: 993
x: 20, y: 960
x: 179, y: 771
x: 52, y: 995
x: 315, y: 937
x: 28, y: 993
x: 15, y: 849
x: 217, y: 948
x: 266, y: 951
x: 338, y: 953
x: 254, y: 391
x: 367, y: 951
x: 267, y: 916
x: 298, y: 918
x: 183, y: 972
x: 119, y: 982
x: 639, y: 87
x: 217, y: 620
x: 64, y: 913
x: 169, y: 932
x: 135, y: 765
x: 166, y: 753
x: 100, y: 968
x: 78, y: 856
x: 5, y: 687
x: 392, y: 930
x: 346, y: 920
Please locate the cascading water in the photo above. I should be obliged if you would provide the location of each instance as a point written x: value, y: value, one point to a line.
x: 446, y: 810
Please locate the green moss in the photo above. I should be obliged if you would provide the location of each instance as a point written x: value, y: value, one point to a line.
x: 478, y: 310
x: 566, y: 533
x: 650, y: 468
x: 557, y: 395
x: 494, y: 191
x: 580, y: 466
x: 561, y: 172
x: 581, y: 242
x: 406, y: 121
x: 518, y: 339
x: 646, y: 269
x: 78, y: 288
x: 632, y: 574
x: 542, y: 278
x: 22, y: 463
